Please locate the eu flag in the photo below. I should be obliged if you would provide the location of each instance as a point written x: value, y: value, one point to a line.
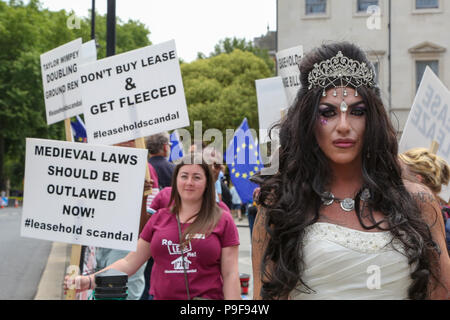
x: 78, y: 130
x: 244, y: 160
x: 176, y: 148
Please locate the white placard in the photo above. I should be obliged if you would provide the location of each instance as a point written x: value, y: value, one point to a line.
x: 83, y: 194
x: 133, y: 95
x: 61, y: 83
x: 287, y: 68
x: 272, y: 102
x: 429, y: 119
x: 88, y: 52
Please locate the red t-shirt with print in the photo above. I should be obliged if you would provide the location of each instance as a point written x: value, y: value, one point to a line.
x: 202, y: 257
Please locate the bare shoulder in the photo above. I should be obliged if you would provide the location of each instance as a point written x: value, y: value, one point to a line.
x: 425, y: 199
x: 259, y: 234
x: 260, y: 239
x: 419, y: 192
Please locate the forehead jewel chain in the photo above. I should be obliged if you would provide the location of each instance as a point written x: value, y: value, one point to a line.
x: 340, y: 71
x: 347, y: 204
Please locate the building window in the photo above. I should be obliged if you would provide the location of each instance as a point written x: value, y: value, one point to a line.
x: 315, y: 6
x: 364, y: 4
x: 420, y: 69
x: 427, y: 4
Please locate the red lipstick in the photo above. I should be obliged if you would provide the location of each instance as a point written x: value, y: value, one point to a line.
x: 344, y: 143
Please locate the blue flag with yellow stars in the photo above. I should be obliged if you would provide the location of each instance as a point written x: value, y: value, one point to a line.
x: 244, y: 160
x: 78, y: 130
x: 176, y: 148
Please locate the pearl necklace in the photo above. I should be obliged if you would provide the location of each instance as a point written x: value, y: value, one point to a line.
x: 347, y: 204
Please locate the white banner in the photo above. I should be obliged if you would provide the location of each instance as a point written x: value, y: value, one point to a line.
x: 83, y: 194
x: 429, y: 119
x: 272, y: 102
x: 133, y: 95
x: 60, y: 80
x: 288, y: 61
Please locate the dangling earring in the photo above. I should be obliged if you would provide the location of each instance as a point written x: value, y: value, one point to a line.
x: 368, y: 153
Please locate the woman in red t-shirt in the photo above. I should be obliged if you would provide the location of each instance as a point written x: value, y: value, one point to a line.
x: 205, y: 262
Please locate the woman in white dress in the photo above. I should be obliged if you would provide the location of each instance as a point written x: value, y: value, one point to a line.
x: 337, y: 220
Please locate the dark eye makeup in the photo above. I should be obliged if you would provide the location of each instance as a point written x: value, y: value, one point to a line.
x: 328, y: 110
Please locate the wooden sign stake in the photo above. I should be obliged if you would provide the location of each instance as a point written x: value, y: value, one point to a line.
x: 140, y: 143
x: 75, y: 256
x: 434, y: 147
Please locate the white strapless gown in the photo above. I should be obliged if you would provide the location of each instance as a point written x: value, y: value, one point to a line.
x: 343, y: 263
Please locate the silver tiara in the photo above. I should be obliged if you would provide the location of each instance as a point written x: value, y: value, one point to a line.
x: 340, y: 71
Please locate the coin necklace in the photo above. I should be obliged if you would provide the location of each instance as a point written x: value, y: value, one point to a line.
x: 347, y: 204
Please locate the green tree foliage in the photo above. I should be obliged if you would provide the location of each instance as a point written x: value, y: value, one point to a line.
x: 27, y: 31
x: 227, y: 45
x: 220, y: 91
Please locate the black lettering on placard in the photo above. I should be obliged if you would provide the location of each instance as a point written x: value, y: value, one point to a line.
x: 66, y: 153
x: 51, y: 64
x: 78, y: 211
x: 111, y: 176
x: 39, y: 150
x: 69, y: 56
x: 87, y: 193
x: 72, y: 85
x: 126, y: 67
x: 72, y: 172
x: 102, y: 107
x: 147, y: 96
x: 129, y: 84
x: 288, y: 61
x: 97, y: 75
x: 109, y: 235
x: 158, y: 58
x: 61, y: 73
x: 55, y: 91
x: 119, y: 158
x: 291, y: 81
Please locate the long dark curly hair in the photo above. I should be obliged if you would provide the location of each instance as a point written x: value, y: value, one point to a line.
x: 291, y: 200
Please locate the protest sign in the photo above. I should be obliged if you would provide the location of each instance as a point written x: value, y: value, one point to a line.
x: 88, y: 52
x: 429, y: 119
x: 287, y: 68
x: 272, y: 101
x: 83, y: 194
x: 133, y: 94
x: 61, y: 82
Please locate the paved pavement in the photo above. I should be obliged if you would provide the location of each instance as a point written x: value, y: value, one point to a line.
x: 245, y: 256
x: 50, y: 285
x: 22, y: 259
